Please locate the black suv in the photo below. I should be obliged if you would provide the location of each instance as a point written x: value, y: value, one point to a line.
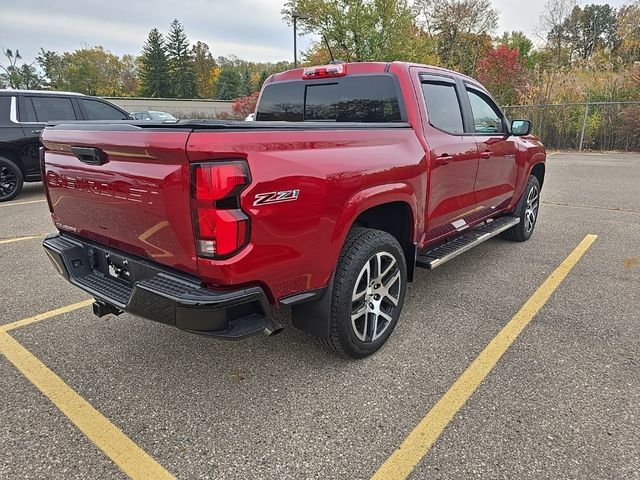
x: 23, y: 115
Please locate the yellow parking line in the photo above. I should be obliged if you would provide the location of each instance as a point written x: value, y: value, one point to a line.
x: 19, y: 239
x: 131, y: 459
x: 20, y: 203
x: 406, y: 457
x: 45, y: 315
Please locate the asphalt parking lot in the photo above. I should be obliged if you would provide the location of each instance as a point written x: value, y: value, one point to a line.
x: 562, y: 402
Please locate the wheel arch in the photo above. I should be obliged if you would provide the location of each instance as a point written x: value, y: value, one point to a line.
x: 369, y: 208
x: 538, y: 171
x: 12, y: 157
x: 397, y: 219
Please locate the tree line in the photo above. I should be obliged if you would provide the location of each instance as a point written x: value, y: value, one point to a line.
x: 169, y: 66
x: 583, y: 53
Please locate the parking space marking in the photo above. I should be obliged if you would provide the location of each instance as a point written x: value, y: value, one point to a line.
x: 407, y: 456
x: 19, y: 239
x: 45, y: 315
x: 20, y: 203
x: 590, y: 207
x: 131, y: 459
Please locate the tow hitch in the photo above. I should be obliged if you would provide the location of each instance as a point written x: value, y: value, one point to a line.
x: 100, y: 309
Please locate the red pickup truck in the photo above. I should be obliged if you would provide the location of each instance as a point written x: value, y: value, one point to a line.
x: 351, y: 177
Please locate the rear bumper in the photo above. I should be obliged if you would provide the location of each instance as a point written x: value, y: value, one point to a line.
x: 152, y: 292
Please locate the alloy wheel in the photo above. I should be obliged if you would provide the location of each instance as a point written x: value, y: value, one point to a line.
x: 531, y: 212
x: 376, y: 295
x: 8, y: 181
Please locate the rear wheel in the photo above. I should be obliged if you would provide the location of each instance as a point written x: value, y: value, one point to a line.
x: 527, y: 211
x: 11, y: 179
x: 368, y: 293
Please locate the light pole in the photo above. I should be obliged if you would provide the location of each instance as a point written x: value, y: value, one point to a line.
x: 296, y: 16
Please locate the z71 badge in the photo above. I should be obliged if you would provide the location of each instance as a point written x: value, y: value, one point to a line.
x: 275, y: 197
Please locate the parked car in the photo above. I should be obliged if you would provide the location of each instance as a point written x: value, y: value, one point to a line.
x: 23, y: 115
x: 153, y: 115
x: 352, y: 176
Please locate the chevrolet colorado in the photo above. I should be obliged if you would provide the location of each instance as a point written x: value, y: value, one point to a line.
x: 351, y: 177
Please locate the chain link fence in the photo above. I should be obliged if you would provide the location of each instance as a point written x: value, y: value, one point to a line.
x: 583, y: 126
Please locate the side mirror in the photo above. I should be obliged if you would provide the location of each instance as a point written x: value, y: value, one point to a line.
x: 520, y: 128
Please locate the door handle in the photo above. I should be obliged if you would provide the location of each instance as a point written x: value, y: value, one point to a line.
x: 486, y: 154
x: 444, y: 159
x: 36, y: 132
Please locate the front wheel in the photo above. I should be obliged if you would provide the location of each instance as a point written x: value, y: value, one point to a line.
x: 368, y: 293
x: 527, y: 211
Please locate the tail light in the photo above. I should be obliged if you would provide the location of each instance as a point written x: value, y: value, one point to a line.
x: 325, y: 71
x: 221, y: 227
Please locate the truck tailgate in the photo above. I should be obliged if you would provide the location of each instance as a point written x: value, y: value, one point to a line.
x: 126, y: 189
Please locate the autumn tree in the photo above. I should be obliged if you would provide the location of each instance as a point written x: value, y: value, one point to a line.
x: 154, y: 67
x: 461, y: 29
x: 501, y: 72
x: 628, y: 32
x: 362, y: 30
x: 243, y: 106
x: 180, y: 57
x: 203, y: 67
x: 520, y: 41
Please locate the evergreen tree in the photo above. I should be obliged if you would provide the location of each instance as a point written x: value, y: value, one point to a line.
x: 229, y: 85
x: 154, y: 67
x: 247, y: 84
x: 181, y: 65
x: 263, y: 78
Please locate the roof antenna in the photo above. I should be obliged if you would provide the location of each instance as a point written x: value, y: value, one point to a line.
x: 326, y: 42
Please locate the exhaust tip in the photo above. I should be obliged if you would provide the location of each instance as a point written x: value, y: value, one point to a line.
x: 272, y: 329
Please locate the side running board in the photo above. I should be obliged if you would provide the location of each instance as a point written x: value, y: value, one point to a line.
x: 435, y: 257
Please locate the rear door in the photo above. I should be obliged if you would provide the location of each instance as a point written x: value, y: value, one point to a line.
x: 453, y: 157
x: 34, y: 111
x: 497, y: 168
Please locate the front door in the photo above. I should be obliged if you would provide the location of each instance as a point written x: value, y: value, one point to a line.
x: 453, y: 158
x: 497, y: 168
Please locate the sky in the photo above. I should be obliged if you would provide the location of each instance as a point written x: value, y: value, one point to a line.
x: 250, y: 29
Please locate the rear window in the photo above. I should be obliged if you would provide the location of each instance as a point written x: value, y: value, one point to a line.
x: 370, y: 98
x: 97, y: 110
x: 53, y: 108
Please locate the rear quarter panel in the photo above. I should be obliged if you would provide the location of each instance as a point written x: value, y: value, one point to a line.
x: 340, y: 173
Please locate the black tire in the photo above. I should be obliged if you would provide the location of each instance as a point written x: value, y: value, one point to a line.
x: 527, y: 212
x: 376, y: 249
x: 11, y: 180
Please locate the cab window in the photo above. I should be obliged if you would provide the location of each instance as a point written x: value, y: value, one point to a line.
x: 486, y: 115
x: 443, y: 106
